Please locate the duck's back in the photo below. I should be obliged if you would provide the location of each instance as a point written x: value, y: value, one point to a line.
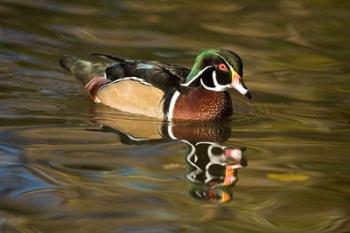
x: 134, y: 86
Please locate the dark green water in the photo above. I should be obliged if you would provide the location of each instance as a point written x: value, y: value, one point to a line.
x: 68, y: 165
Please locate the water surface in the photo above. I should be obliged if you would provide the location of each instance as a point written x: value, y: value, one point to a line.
x: 69, y: 165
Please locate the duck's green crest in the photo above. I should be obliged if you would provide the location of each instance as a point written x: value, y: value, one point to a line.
x: 202, y: 62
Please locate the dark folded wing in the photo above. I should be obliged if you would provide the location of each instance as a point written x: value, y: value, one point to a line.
x: 161, y: 75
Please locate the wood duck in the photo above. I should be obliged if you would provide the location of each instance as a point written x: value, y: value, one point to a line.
x: 164, y: 91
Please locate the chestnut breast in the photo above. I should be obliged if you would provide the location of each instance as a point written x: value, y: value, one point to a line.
x: 202, y: 104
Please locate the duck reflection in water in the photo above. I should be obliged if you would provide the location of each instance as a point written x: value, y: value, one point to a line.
x: 211, y: 166
x: 213, y: 170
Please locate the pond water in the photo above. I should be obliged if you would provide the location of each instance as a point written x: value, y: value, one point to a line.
x: 69, y: 165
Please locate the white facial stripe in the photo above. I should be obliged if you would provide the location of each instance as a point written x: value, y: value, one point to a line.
x: 234, y: 73
x: 205, y: 86
x: 195, y: 77
x: 213, y: 75
x: 218, y: 86
x: 228, y: 64
x: 172, y: 105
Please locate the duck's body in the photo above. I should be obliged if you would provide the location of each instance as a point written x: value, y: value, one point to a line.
x: 156, y: 89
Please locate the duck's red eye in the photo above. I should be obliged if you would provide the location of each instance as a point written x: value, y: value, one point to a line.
x: 223, y: 67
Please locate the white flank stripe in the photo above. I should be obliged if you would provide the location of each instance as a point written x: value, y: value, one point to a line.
x: 140, y: 80
x: 134, y: 79
x: 172, y: 105
x: 228, y: 64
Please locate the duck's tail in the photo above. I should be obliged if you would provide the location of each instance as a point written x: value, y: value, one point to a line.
x: 83, y: 70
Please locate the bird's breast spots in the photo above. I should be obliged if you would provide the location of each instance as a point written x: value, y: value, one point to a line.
x: 201, y: 104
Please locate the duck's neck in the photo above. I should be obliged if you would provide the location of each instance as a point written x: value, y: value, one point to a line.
x: 201, y: 104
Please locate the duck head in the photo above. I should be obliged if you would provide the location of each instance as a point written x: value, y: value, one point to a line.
x: 218, y: 70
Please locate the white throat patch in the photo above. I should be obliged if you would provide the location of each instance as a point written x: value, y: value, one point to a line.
x: 217, y: 85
